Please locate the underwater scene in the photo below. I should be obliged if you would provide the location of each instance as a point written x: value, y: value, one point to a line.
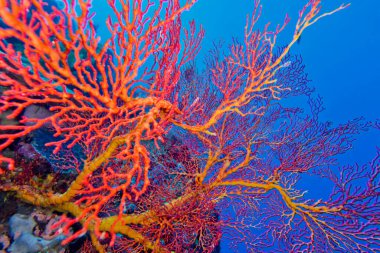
x: 189, y: 126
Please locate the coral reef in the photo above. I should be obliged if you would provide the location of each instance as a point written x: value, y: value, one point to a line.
x: 142, y: 152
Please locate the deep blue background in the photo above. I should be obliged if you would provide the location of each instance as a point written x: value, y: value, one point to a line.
x: 340, y: 52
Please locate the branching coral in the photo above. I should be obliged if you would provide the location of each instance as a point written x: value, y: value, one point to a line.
x: 168, y: 150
